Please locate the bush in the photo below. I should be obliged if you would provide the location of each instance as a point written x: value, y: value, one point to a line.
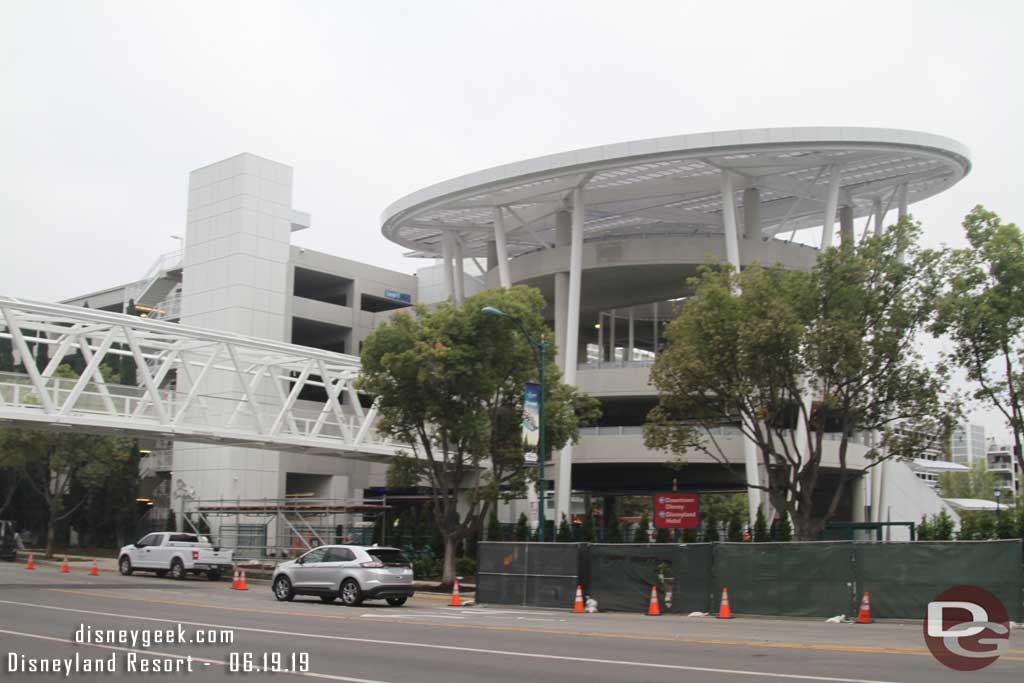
x: 615, y: 534
x: 522, y: 532
x: 924, y: 529
x: 784, y: 530
x: 589, y: 531
x: 942, y: 527
x: 663, y: 535
x: 494, y: 532
x: 564, y: 534
x: 642, y: 533
x: 711, y: 529
x: 427, y: 567
x: 689, y: 536
x: 760, y: 527
x: 465, y: 567
x: 734, y: 532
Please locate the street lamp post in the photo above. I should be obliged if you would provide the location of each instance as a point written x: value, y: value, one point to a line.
x: 541, y: 349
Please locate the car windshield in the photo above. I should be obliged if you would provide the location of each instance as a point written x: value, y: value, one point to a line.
x: 389, y: 557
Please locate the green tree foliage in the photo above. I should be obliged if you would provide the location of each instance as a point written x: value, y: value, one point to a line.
x: 734, y: 532
x: 977, y: 526
x: 760, y: 527
x: 690, y: 536
x: 783, y: 530
x: 522, y: 530
x: 449, y: 384
x: 1006, y: 525
x: 942, y: 526
x: 589, y: 530
x: 788, y: 355
x: 643, y: 530
x: 982, y: 311
x: 564, y: 534
x: 494, y: 528
x: 663, y: 535
x: 614, y: 534
x: 924, y: 530
x: 711, y: 522
x: 62, y: 469
x: 976, y: 483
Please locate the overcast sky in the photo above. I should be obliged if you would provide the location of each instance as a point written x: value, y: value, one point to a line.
x: 106, y: 106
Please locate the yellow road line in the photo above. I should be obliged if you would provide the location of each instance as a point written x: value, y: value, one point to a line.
x: 827, y: 647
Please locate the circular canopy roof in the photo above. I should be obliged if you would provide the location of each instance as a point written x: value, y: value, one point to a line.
x: 672, y: 186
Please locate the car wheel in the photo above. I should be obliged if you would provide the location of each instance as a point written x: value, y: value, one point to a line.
x: 327, y: 598
x: 177, y: 569
x: 124, y: 565
x: 350, y: 593
x: 399, y: 601
x: 213, y: 575
x: 283, y: 589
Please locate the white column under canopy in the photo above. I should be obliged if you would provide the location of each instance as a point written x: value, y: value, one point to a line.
x: 632, y: 338
x: 732, y: 251
x: 901, y: 195
x: 752, y: 213
x: 828, y: 227
x: 879, y: 212
x: 446, y: 257
x: 460, y: 273
x: 563, y: 485
x: 501, y: 247
x: 563, y: 238
x: 846, y: 225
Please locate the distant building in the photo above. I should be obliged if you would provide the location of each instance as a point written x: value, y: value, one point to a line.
x: 1003, y: 465
x: 968, y: 443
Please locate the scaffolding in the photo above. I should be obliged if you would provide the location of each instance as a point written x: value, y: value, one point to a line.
x: 269, y: 528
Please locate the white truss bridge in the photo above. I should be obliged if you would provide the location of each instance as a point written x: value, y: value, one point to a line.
x: 193, y: 384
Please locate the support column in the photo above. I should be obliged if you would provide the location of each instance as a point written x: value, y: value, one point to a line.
x: 879, y: 212
x: 654, y: 346
x: 449, y: 275
x: 752, y: 213
x: 732, y: 251
x: 902, y: 198
x: 563, y: 238
x: 831, y: 205
x: 611, y: 337
x: 632, y: 338
x: 563, y: 485
x: 846, y: 226
x: 492, y: 256
x: 501, y: 248
x: 732, y: 245
x: 460, y: 274
x: 600, y: 337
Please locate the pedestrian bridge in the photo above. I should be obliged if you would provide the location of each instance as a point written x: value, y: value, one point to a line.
x: 191, y: 384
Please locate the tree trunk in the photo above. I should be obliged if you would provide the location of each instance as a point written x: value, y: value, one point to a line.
x: 448, y: 573
x: 51, y: 528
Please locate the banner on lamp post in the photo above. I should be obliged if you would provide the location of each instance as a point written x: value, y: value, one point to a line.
x: 531, y: 423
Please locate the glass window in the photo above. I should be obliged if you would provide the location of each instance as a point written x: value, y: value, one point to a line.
x: 339, y: 555
x: 314, y: 555
x: 184, y: 538
x: 390, y: 557
x: 149, y: 540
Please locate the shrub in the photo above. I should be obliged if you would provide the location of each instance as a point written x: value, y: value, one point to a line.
x: 760, y: 527
x: 465, y: 567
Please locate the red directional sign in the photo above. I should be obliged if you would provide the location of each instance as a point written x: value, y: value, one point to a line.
x: 676, y: 510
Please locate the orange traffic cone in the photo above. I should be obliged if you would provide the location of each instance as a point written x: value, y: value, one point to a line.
x: 456, y: 599
x: 64, y: 569
x: 241, y: 581
x: 577, y: 607
x: 654, y: 609
x: 725, y: 610
x: 234, y: 581
x: 31, y: 564
x: 864, y: 615
x: 95, y: 571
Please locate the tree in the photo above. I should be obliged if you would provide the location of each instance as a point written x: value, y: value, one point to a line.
x: 589, y: 532
x: 522, y: 530
x: 1006, y: 525
x: 51, y: 462
x: 977, y: 526
x: 564, y: 531
x: 783, y: 530
x: 982, y: 311
x: 787, y: 356
x: 942, y: 526
x: 734, y: 532
x: 614, y: 533
x: 449, y: 385
x: 643, y: 530
x: 494, y: 528
x: 760, y: 527
x: 924, y: 531
x: 711, y: 528
x: 978, y: 482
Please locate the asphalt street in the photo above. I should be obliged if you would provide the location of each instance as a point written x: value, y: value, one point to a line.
x: 426, y: 641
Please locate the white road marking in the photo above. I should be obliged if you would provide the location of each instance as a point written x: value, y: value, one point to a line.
x: 457, y: 648
x: 202, y: 660
x: 393, y: 615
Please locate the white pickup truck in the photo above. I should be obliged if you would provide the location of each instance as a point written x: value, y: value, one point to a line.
x: 175, y: 553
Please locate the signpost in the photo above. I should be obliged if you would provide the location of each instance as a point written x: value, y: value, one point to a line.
x: 676, y: 510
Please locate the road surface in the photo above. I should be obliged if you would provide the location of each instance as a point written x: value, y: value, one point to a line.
x: 426, y: 641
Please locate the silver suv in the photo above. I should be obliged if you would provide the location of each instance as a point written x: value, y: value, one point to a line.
x: 352, y: 572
